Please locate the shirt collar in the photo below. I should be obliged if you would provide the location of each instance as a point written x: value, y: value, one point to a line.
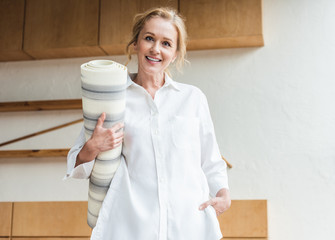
x: 168, y: 81
x: 129, y: 79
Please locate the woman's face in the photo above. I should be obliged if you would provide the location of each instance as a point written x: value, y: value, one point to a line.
x: 156, y: 46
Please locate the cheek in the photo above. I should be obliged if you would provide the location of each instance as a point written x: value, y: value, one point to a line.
x: 143, y: 47
x: 170, y: 55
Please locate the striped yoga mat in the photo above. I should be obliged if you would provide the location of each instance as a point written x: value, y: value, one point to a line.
x: 103, y: 90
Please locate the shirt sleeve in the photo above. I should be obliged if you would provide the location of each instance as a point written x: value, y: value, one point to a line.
x: 84, y: 170
x: 212, y: 164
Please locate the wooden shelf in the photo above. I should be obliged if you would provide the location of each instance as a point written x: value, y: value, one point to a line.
x: 34, y: 153
x: 40, y: 105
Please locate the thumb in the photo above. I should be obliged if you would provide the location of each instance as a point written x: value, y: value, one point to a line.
x: 205, y: 205
x: 210, y: 202
x: 101, y: 120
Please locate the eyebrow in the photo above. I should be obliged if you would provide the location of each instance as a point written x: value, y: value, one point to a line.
x: 154, y: 35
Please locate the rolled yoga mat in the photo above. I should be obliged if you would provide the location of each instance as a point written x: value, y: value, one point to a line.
x: 103, y: 90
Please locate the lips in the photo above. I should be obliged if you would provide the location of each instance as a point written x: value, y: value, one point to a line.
x: 153, y: 59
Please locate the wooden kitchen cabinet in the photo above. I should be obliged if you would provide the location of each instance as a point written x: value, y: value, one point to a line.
x: 5, y: 218
x: 117, y: 19
x: 44, y: 29
x: 223, y: 23
x: 62, y: 28
x: 50, y: 219
x: 245, y: 220
x: 11, y: 30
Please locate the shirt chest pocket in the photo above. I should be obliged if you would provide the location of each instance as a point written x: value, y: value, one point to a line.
x: 185, y: 132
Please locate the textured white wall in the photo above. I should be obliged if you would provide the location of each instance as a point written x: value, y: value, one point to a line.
x: 272, y: 108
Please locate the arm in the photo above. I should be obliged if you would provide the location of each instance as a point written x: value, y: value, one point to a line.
x: 81, y: 156
x: 73, y: 169
x: 220, y: 203
x: 102, y: 139
x: 213, y: 166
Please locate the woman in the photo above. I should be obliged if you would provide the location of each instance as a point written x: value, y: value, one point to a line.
x: 170, y: 159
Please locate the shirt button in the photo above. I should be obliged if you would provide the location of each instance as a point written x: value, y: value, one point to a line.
x: 156, y: 131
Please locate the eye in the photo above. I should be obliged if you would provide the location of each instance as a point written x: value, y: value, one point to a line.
x: 149, y: 38
x: 167, y: 44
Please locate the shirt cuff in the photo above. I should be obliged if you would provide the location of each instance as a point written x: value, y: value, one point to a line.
x: 216, y: 186
x: 83, y: 171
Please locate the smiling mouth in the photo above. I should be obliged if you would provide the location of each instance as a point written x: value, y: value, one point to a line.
x: 153, y: 59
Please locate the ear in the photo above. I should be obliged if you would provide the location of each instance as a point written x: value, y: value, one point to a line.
x: 135, y: 46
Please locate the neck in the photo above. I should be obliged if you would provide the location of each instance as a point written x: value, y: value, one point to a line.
x: 149, y: 82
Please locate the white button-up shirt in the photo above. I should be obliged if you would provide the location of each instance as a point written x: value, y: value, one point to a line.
x: 171, y: 164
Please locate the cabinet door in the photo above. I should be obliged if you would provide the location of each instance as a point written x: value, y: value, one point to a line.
x: 117, y: 19
x: 62, y: 28
x: 49, y: 238
x: 245, y: 219
x: 5, y: 218
x: 11, y: 30
x: 50, y: 219
x: 223, y: 23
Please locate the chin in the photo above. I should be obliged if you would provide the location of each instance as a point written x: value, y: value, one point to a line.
x: 153, y: 71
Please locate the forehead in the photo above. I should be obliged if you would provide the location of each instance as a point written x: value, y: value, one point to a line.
x: 160, y: 27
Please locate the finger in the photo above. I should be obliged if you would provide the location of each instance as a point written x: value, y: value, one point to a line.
x: 117, y: 127
x: 115, y: 138
x: 118, y: 136
x: 114, y: 134
x: 117, y: 143
x: 210, y: 202
x: 205, y: 205
x: 219, y: 212
x: 101, y: 120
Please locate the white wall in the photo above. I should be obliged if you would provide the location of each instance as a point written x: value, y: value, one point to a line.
x: 272, y: 108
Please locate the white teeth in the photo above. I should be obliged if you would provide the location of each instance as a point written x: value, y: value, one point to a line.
x: 152, y: 59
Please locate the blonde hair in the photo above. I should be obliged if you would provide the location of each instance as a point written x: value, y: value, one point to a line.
x: 168, y: 14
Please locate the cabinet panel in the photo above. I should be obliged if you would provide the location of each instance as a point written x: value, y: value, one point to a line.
x: 62, y: 28
x: 223, y: 23
x: 5, y: 218
x: 11, y: 30
x: 117, y: 19
x: 244, y: 238
x: 245, y: 219
x: 53, y: 219
x: 50, y: 238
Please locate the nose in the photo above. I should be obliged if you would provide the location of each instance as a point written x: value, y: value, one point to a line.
x: 155, y: 48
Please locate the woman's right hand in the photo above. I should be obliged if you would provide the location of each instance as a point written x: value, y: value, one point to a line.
x: 102, y: 139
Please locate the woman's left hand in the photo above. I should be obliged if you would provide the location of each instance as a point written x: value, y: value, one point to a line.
x: 220, y: 203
